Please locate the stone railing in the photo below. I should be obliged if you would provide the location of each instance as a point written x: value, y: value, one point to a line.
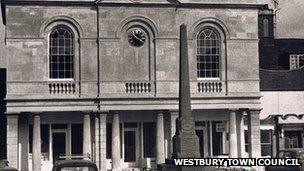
x: 210, y: 86
x: 138, y: 87
x: 62, y: 88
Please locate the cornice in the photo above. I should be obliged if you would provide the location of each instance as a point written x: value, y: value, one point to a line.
x: 141, y: 4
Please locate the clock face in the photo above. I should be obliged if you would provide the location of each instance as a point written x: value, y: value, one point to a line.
x: 137, y: 38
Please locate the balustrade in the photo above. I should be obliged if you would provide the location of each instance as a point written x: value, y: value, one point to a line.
x: 138, y: 87
x: 62, y: 88
x: 210, y: 86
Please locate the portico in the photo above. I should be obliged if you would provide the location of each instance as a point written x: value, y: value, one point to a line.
x: 133, y: 141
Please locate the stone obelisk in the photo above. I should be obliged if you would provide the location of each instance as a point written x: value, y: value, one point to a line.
x: 186, y: 143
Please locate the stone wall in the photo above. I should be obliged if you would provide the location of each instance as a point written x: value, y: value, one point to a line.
x: 154, y: 66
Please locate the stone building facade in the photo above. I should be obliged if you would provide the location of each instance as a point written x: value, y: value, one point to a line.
x: 101, y: 78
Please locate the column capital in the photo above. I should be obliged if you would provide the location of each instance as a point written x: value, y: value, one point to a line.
x: 36, y: 113
x: 233, y: 109
x: 87, y: 112
x: 256, y: 110
x: 98, y: 113
x: 102, y: 112
x: 12, y: 113
x: 161, y: 112
x: 174, y: 112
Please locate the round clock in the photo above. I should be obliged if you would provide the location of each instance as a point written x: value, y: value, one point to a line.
x: 137, y: 38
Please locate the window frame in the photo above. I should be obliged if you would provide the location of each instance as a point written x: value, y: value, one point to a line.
x: 270, y: 132
x: 221, y: 47
x: 72, y: 32
x: 295, y: 61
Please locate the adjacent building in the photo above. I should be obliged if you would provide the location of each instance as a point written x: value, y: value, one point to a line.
x: 281, y: 76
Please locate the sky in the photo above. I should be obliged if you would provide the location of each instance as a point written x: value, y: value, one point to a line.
x: 290, y: 19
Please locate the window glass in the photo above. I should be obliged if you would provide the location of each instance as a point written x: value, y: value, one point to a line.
x: 265, y: 136
x: 61, y: 53
x: 246, y: 141
x: 208, y: 54
x: 265, y: 28
x: 266, y: 145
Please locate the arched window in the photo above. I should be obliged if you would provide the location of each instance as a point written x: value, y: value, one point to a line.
x: 208, y: 54
x: 265, y: 28
x: 61, y: 53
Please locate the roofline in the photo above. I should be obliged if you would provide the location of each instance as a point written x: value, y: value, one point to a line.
x: 119, y: 4
x: 147, y: 4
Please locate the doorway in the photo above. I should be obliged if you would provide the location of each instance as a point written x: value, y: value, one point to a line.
x: 59, y: 144
x: 130, y: 146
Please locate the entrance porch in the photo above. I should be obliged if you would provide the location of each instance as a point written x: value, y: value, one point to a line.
x: 124, y: 140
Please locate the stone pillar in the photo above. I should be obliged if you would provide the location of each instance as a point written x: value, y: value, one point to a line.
x: 116, y: 159
x: 12, y: 140
x: 274, y: 146
x: 97, y: 141
x: 100, y: 140
x: 24, y: 141
x: 87, y: 135
x: 172, y: 131
x: 160, y: 144
x: 36, y: 143
x: 103, y: 138
x: 232, y: 135
x: 282, y: 139
x: 240, y: 134
x: 254, y: 133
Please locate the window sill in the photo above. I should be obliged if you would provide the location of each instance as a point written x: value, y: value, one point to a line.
x: 62, y: 80
x: 208, y: 79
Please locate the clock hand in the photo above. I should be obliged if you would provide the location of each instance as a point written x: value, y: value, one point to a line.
x: 137, y: 38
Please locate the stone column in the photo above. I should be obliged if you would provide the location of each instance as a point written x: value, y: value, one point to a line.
x: 12, y: 140
x: 24, y: 141
x: 97, y: 140
x: 100, y: 140
x: 116, y: 160
x: 232, y: 135
x: 160, y: 144
x: 103, y: 138
x: 172, y: 129
x: 240, y: 134
x: 36, y: 143
x: 254, y: 133
x: 87, y: 135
